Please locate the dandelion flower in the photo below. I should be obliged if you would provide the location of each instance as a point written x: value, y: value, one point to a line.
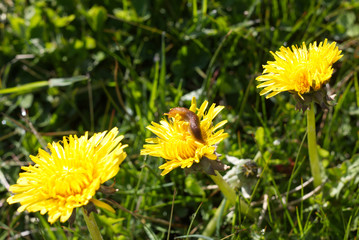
x: 70, y: 176
x: 299, y: 70
x: 187, y: 138
x: 304, y: 73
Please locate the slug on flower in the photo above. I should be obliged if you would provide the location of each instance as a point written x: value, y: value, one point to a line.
x: 190, y: 117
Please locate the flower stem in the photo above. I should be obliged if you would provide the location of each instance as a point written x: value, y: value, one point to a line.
x: 312, y: 147
x: 230, y: 194
x: 92, y: 225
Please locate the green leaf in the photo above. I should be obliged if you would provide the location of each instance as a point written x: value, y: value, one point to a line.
x: 127, y: 15
x: 57, y: 20
x: 24, y: 88
x: 90, y: 42
x: 193, y: 187
x: 26, y: 100
x: 53, y: 82
x: 60, y: 82
x: 96, y: 17
x: 353, y: 31
x: 259, y: 136
x: 18, y: 26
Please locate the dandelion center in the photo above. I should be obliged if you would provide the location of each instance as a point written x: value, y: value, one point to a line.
x: 68, y: 182
x: 301, y: 81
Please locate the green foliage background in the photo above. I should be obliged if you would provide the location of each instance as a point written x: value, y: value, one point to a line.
x: 67, y: 67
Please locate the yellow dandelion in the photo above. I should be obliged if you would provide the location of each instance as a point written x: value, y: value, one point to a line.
x: 70, y: 176
x: 187, y: 137
x: 299, y: 70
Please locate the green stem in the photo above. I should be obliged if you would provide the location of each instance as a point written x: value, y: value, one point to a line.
x: 312, y: 147
x: 230, y: 194
x: 194, y: 6
x: 92, y: 225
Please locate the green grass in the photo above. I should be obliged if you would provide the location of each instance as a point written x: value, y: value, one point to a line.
x: 67, y: 67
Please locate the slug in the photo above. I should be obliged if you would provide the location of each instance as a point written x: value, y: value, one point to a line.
x: 191, y: 118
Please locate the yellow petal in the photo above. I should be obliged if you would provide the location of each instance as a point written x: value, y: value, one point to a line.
x: 103, y: 205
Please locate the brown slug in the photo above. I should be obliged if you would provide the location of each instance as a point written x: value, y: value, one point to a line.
x: 190, y: 117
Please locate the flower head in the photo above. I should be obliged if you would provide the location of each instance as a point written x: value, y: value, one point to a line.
x: 188, y: 137
x: 299, y: 70
x: 70, y: 176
